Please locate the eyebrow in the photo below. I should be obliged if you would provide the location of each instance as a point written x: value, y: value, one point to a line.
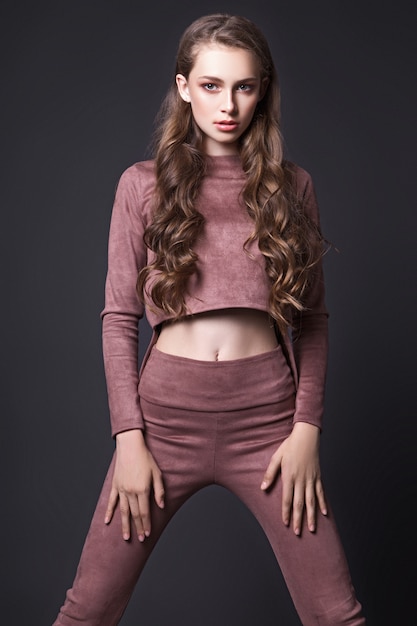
x: 216, y: 79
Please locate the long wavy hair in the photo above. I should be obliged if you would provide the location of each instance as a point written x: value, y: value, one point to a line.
x: 289, y: 241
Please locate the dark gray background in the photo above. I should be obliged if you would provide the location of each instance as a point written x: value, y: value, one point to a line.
x: 81, y: 82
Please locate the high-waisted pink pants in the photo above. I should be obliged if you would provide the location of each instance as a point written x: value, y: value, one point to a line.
x: 214, y: 423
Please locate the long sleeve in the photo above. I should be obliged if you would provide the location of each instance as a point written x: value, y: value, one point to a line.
x: 123, y: 309
x: 310, y: 335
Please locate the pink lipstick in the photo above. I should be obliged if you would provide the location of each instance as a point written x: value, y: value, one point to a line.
x: 226, y: 125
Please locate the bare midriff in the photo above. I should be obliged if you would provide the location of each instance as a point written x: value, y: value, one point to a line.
x: 219, y: 335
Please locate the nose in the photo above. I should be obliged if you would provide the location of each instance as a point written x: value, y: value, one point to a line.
x: 228, y: 104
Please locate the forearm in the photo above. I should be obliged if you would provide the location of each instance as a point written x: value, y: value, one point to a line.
x: 120, y: 353
x: 310, y: 348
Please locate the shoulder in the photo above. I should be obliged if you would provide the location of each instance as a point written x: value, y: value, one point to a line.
x: 135, y: 190
x: 140, y: 175
x: 136, y: 186
x: 300, y: 178
x: 302, y: 185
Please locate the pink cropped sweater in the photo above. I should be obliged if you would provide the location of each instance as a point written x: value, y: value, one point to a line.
x: 227, y: 277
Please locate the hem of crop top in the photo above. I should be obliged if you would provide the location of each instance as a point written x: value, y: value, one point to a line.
x: 199, y: 310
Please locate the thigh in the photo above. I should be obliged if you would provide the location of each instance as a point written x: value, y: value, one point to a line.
x: 109, y: 566
x: 314, y: 565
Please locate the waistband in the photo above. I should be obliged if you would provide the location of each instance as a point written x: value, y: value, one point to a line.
x: 270, y: 355
x: 176, y: 381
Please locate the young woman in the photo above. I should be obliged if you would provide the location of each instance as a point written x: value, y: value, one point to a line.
x: 218, y: 240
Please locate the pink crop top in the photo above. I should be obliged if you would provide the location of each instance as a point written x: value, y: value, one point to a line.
x: 227, y: 277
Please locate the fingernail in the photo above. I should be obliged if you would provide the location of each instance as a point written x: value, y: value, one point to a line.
x: 141, y: 537
x: 312, y: 528
x: 126, y: 536
x: 264, y: 485
x: 297, y: 531
x: 106, y: 520
x: 147, y: 533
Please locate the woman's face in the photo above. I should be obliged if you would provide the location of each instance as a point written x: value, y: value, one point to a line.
x: 223, y: 88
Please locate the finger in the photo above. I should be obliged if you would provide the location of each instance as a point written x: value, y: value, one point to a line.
x: 298, y: 508
x: 287, y: 499
x: 320, y: 497
x: 158, y: 488
x: 111, y: 505
x: 136, y: 516
x: 125, y: 516
x: 145, y: 516
x: 310, y: 503
x: 271, y: 471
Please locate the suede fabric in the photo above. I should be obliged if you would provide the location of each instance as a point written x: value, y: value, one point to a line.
x: 227, y: 277
x: 229, y: 417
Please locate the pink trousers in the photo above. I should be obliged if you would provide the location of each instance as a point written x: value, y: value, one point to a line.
x: 214, y: 423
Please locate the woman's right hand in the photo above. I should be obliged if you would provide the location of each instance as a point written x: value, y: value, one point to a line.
x: 136, y: 474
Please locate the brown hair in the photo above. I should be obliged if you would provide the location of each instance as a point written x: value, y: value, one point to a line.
x: 289, y: 241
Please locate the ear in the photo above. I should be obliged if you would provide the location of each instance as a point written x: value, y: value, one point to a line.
x: 182, y: 86
x: 264, y: 87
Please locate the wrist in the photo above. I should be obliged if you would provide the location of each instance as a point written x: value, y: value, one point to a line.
x: 129, y: 438
x: 306, y: 429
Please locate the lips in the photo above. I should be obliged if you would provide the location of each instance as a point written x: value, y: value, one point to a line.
x: 226, y: 125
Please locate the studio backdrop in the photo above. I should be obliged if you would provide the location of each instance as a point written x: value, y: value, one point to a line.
x: 81, y: 84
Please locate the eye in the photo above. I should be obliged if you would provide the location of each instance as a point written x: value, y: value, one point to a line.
x: 210, y: 86
x: 244, y: 87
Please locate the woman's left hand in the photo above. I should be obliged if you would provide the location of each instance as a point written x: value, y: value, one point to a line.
x: 297, y: 458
